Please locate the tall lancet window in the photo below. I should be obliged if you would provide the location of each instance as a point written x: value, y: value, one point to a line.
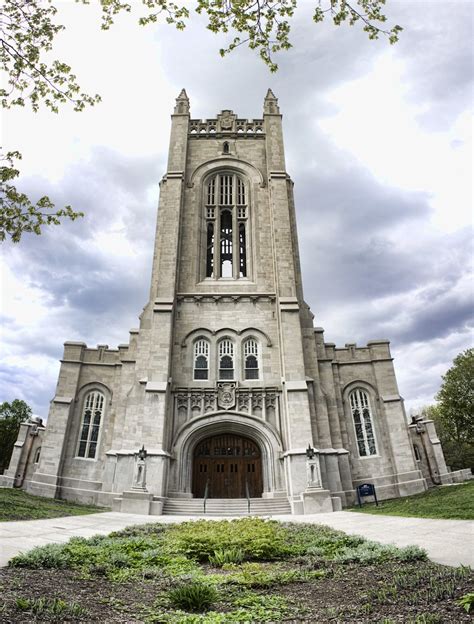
x: 92, y: 414
x: 364, y: 427
x: 226, y: 213
x: 251, y: 359
x: 226, y: 359
x: 201, y: 359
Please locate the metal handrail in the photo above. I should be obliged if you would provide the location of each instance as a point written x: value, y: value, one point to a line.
x: 206, y: 494
x: 247, y: 493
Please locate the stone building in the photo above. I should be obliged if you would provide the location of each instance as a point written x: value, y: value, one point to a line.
x: 226, y: 386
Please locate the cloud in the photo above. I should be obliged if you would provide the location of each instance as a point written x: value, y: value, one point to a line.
x: 377, y: 142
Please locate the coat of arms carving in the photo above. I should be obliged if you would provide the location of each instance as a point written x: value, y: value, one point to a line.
x: 226, y: 395
x: 226, y: 120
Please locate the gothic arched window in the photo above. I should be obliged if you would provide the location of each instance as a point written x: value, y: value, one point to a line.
x: 364, y: 428
x: 92, y: 414
x: 226, y: 227
x: 250, y: 359
x: 201, y: 359
x: 226, y: 359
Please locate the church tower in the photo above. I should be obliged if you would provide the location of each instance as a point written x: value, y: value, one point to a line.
x: 226, y: 386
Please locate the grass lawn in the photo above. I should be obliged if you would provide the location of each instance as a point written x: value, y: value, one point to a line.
x: 448, y: 502
x: 225, y: 572
x: 16, y: 504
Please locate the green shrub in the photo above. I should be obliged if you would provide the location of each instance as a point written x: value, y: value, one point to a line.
x: 467, y: 601
x: 49, y: 556
x: 194, y: 596
x: 224, y: 556
x: 255, y: 537
x: 373, y: 552
x: 50, y: 606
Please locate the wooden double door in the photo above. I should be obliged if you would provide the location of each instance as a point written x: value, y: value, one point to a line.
x: 229, y: 465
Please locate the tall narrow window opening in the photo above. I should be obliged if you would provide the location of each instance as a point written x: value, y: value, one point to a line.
x: 201, y: 359
x: 226, y: 233
x: 364, y: 428
x: 90, y: 426
x: 242, y: 251
x: 210, y: 250
x: 226, y: 243
x: 251, y: 359
x: 226, y: 359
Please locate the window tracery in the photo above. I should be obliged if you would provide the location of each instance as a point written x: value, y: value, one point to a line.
x: 226, y: 213
x: 201, y: 359
x: 363, y: 423
x: 251, y: 359
x: 226, y: 359
x: 91, y: 421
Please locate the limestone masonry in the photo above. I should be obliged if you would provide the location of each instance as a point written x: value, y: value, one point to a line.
x: 226, y: 390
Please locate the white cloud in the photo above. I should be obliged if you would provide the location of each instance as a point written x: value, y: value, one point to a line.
x: 378, y: 141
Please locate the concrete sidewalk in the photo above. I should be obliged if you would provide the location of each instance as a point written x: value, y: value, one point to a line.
x: 446, y: 541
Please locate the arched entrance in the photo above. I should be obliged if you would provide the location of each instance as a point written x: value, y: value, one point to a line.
x: 229, y: 463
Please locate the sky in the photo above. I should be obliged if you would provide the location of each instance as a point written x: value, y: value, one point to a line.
x: 378, y: 141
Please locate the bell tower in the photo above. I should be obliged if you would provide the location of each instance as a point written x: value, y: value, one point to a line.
x: 221, y: 344
x: 225, y: 390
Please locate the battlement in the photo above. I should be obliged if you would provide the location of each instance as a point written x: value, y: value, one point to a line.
x: 79, y: 352
x: 374, y: 350
x: 227, y: 124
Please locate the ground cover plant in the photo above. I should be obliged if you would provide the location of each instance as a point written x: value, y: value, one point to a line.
x: 455, y: 502
x: 16, y: 504
x: 243, y: 570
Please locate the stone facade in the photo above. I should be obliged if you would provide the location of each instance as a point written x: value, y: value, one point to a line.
x: 226, y: 347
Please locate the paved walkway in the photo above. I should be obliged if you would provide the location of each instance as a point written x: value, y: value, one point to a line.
x: 447, y: 541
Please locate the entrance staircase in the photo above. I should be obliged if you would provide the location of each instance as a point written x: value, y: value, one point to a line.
x: 226, y: 507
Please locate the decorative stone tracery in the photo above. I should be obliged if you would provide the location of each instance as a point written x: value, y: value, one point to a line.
x: 190, y: 403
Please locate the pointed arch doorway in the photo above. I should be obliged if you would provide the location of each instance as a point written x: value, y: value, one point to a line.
x: 229, y: 464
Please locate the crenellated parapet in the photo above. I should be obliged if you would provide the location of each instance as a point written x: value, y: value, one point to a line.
x: 80, y: 353
x: 227, y: 124
x: 350, y: 353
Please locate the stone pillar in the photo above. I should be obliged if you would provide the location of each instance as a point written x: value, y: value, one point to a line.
x: 295, y: 399
x: 15, y: 472
x: 46, y: 479
x: 408, y: 478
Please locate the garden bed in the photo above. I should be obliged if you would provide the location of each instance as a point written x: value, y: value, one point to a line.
x: 247, y: 570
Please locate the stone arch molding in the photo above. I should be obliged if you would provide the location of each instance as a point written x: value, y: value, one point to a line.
x: 196, y: 430
x: 244, y: 333
x: 231, y: 164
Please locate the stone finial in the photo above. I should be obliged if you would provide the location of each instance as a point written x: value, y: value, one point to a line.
x: 270, y: 104
x: 182, y: 104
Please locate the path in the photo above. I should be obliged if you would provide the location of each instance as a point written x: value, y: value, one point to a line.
x: 446, y: 541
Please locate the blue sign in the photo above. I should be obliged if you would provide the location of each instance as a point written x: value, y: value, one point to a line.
x: 366, y: 489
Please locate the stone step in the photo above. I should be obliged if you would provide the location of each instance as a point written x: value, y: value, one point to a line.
x: 226, y: 506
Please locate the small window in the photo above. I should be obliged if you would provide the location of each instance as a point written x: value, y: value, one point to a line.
x: 90, y: 426
x: 226, y: 148
x: 417, y: 452
x: 201, y: 359
x: 364, y: 428
x: 226, y: 359
x: 251, y: 359
x: 37, y: 455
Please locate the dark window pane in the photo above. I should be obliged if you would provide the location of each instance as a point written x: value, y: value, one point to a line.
x: 201, y: 362
x: 82, y: 449
x: 226, y: 362
x: 92, y: 448
x: 226, y: 373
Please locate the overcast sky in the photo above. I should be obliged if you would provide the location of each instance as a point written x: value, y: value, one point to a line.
x: 378, y: 143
